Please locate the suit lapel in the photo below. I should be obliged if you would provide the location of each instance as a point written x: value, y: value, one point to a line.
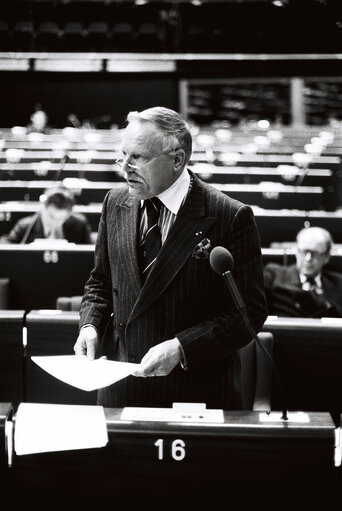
x: 330, y: 291
x: 293, y: 276
x: 126, y: 218
x: 189, y: 228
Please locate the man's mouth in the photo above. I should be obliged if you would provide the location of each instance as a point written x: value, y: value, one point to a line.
x: 133, y: 182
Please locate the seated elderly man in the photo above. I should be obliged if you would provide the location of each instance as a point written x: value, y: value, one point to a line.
x: 306, y: 288
x: 54, y: 220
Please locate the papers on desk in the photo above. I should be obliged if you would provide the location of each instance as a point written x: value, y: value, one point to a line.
x: 85, y: 374
x: 50, y: 428
x: 52, y: 243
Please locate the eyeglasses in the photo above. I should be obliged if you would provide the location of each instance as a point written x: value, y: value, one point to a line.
x: 314, y: 254
x: 121, y: 161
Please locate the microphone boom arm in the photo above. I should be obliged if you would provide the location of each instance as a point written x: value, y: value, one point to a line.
x: 230, y: 282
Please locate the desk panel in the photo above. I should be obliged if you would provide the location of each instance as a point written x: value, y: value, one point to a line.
x: 39, y: 275
x: 308, y: 354
x: 49, y: 334
x: 283, y: 225
x: 11, y: 356
x: 240, y: 453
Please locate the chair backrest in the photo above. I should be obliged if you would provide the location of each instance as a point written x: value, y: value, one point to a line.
x: 69, y: 303
x: 256, y: 373
x: 4, y: 290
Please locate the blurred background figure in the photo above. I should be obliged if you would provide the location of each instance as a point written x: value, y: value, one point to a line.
x: 54, y: 220
x: 39, y: 121
x: 306, y: 288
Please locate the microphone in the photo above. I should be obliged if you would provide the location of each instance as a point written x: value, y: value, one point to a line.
x: 63, y: 161
x: 222, y: 262
x: 301, y: 176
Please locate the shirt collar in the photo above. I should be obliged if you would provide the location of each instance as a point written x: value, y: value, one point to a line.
x: 173, y: 197
x: 317, y: 279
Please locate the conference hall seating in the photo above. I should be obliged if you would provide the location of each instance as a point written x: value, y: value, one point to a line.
x: 45, y: 279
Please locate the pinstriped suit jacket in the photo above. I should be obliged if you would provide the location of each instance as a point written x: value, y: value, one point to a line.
x: 181, y: 297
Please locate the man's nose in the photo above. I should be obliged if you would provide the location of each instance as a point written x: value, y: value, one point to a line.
x: 127, y: 164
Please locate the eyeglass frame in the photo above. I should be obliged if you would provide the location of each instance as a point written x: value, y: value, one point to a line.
x: 314, y: 253
x: 119, y: 161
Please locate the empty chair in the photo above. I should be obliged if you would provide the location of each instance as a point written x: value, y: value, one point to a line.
x: 4, y: 290
x: 5, y: 36
x: 23, y: 35
x: 74, y: 37
x: 122, y: 37
x: 256, y: 373
x: 149, y: 37
x: 97, y: 38
x: 48, y: 36
x: 69, y: 303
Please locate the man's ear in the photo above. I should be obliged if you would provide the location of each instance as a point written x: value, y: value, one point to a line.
x: 179, y: 160
x: 326, y: 259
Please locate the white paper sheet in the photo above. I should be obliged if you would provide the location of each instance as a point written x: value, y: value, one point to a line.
x: 52, y: 427
x: 85, y: 374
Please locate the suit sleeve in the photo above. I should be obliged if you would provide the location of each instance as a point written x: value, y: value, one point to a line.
x: 97, y: 304
x: 226, y: 331
x: 85, y: 231
x: 17, y: 232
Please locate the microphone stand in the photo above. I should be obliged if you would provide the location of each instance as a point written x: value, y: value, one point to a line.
x: 230, y: 282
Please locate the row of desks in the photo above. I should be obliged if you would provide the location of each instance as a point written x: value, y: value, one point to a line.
x: 182, y: 464
x: 246, y: 446
x: 306, y: 351
x: 274, y: 225
x: 265, y: 194
x: 220, y: 157
x: 38, y: 275
x: 108, y: 172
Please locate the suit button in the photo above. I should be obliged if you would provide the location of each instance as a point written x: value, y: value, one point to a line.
x: 131, y: 358
x: 122, y: 325
x: 115, y: 292
x: 297, y: 305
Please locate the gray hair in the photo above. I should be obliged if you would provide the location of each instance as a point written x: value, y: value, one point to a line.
x: 321, y: 232
x: 175, y: 131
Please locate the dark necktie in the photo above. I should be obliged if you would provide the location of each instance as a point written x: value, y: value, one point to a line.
x: 151, y: 240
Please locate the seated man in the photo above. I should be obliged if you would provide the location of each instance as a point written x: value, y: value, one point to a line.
x: 305, y: 289
x: 55, y: 220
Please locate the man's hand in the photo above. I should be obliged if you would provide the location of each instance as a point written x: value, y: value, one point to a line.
x: 87, y: 342
x: 161, y: 359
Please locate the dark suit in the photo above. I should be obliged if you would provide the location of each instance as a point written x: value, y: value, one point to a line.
x: 181, y: 297
x: 76, y: 229
x: 286, y: 297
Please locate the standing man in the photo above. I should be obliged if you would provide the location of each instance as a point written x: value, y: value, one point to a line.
x: 169, y: 311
